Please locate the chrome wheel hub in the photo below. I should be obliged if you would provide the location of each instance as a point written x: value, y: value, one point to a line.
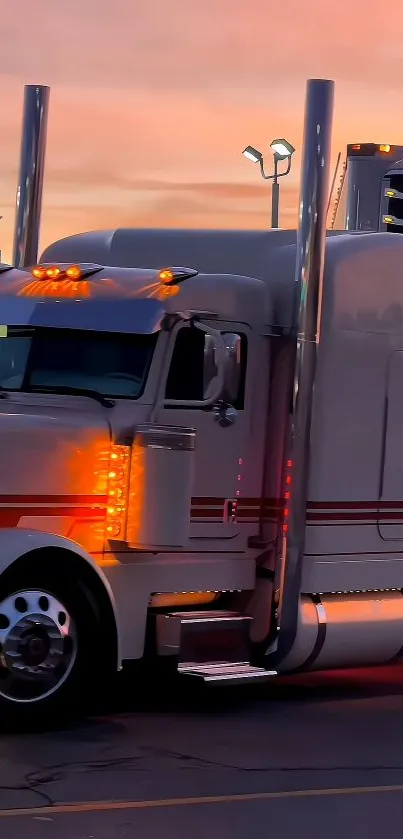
x: 38, y: 646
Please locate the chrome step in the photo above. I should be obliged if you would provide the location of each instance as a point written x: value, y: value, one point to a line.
x: 210, y: 645
x: 225, y: 673
x: 206, y: 636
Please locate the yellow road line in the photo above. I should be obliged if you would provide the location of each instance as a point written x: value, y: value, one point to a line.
x: 152, y: 804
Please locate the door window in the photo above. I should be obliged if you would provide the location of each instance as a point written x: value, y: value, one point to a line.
x: 193, y: 366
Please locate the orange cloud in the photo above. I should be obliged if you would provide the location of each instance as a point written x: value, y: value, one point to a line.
x: 152, y: 103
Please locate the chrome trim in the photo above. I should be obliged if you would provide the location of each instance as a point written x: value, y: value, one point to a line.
x: 320, y: 638
x: 310, y: 251
x: 399, y: 653
x: 165, y: 437
x: 39, y: 644
x: 226, y: 673
x: 30, y: 183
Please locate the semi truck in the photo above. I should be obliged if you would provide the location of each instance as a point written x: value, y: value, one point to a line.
x: 391, y: 212
x: 360, y: 199
x: 201, y: 452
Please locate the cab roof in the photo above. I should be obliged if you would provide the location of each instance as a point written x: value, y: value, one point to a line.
x: 126, y: 299
x: 245, y: 276
x: 243, y: 252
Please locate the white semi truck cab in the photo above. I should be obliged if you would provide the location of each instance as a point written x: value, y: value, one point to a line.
x: 201, y: 451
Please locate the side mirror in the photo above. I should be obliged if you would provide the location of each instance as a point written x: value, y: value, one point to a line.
x: 233, y: 366
x: 210, y: 367
x: 214, y: 364
x: 231, y: 361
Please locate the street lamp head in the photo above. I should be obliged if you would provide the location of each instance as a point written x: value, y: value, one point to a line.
x: 282, y: 148
x: 252, y: 154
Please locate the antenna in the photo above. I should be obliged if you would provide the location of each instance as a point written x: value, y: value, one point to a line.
x: 338, y: 196
x: 333, y: 183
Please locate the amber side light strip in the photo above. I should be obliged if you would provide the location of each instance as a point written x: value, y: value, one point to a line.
x: 118, y: 488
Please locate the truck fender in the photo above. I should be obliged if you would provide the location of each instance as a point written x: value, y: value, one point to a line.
x: 18, y: 542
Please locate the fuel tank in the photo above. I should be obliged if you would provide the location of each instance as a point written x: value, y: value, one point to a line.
x: 54, y: 463
x: 350, y: 629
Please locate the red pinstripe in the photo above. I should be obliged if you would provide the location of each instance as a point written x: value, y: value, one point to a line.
x: 203, y: 509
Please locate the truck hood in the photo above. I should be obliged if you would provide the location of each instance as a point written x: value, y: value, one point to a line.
x: 53, y: 471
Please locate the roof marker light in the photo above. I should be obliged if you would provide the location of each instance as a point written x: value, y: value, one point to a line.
x: 53, y: 273
x: 385, y: 148
x: 64, y: 271
x: 166, y: 276
x: 397, y: 222
x: 176, y: 275
x: 74, y: 272
x: 393, y: 193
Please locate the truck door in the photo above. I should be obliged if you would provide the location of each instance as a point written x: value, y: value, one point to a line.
x: 390, y: 514
x: 225, y: 503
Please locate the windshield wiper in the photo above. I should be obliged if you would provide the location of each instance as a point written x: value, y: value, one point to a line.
x: 73, y: 391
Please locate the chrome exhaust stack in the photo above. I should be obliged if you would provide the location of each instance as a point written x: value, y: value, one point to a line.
x: 30, y: 182
x: 310, y: 252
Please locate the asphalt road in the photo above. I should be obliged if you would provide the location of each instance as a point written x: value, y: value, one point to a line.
x: 307, y: 757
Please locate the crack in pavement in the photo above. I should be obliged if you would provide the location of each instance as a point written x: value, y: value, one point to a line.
x: 35, y: 782
x: 270, y: 767
x: 31, y: 788
x: 55, y: 773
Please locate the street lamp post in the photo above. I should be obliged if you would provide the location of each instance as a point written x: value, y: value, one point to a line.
x: 275, y: 193
x: 282, y: 150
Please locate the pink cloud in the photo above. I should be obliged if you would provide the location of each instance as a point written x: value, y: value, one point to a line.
x: 152, y: 102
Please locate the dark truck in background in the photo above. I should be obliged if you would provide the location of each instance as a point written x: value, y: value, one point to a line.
x: 369, y: 197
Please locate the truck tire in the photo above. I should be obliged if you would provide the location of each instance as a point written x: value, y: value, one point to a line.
x: 49, y: 648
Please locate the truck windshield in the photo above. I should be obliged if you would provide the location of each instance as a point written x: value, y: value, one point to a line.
x: 111, y: 364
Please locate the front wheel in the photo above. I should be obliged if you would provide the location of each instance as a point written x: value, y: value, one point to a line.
x: 47, y: 646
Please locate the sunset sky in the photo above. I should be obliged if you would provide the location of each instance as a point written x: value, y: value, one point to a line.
x: 152, y: 102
